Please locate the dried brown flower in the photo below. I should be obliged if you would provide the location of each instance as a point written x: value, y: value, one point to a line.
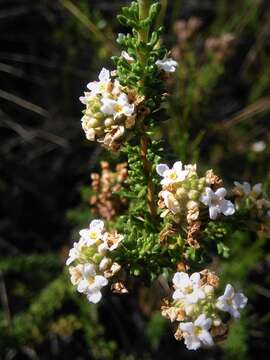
x: 178, y: 335
x: 219, y: 332
x: 172, y: 313
x: 194, y: 234
x: 209, y: 278
x: 220, y: 47
x: 186, y: 29
x: 119, y: 288
x: 213, y: 180
x: 103, y: 202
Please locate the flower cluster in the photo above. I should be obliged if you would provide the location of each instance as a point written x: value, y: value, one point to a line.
x: 197, y: 309
x: 103, y: 200
x: 110, y: 111
x: 91, y: 260
x: 251, y: 198
x: 183, y: 192
x: 168, y: 65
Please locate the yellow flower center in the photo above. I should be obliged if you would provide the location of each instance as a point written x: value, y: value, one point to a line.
x: 197, y: 330
x: 229, y: 302
x: 93, y: 235
x: 90, y: 279
x: 188, y: 289
x: 173, y: 176
x: 118, y: 108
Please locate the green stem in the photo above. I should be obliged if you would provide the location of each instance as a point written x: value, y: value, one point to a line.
x: 161, y: 16
x: 144, y: 6
x: 145, y: 142
x: 147, y: 168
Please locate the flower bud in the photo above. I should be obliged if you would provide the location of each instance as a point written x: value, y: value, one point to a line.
x: 191, y: 205
x: 208, y: 290
x: 189, y: 309
x: 104, y: 263
x: 217, y: 322
x: 193, y: 194
x: 108, y: 122
x: 180, y: 193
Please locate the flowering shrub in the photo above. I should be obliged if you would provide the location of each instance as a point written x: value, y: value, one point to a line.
x: 173, y: 221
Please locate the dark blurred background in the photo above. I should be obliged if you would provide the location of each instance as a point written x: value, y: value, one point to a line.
x: 49, y: 51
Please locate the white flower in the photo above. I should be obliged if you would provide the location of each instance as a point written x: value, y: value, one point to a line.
x: 118, y: 107
x: 76, y: 251
x: 85, y: 99
x: 197, y: 333
x: 187, y: 288
x: 101, y: 86
x: 256, y: 189
x: 167, y: 64
x: 216, y: 202
x: 127, y: 57
x: 245, y: 187
x: 231, y: 301
x: 172, y: 176
x: 170, y: 201
x: 94, y: 234
x: 76, y: 274
x: 91, y: 283
x: 258, y: 146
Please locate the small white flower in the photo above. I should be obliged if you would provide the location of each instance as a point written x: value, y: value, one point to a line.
x: 118, y: 107
x: 86, y: 98
x: 76, y: 274
x: 187, y: 288
x: 197, y: 333
x: 167, y: 64
x: 76, y: 251
x: 94, y: 234
x: 172, y: 176
x: 268, y: 213
x: 256, y: 189
x: 127, y: 57
x: 258, y: 146
x: 216, y: 202
x: 101, y: 86
x: 170, y: 201
x: 245, y: 187
x: 231, y: 301
x: 91, y: 283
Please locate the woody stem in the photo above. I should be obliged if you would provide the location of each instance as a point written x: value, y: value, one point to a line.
x: 147, y: 168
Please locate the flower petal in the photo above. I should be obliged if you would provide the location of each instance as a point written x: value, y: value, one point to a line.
x: 227, y: 207
x: 104, y: 75
x: 221, y: 192
x: 178, y: 295
x: 180, y: 279
x: 229, y: 291
x: 161, y: 168
x: 206, y: 338
x: 94, y: 297
x: 240, y: 300
x: 96, y: 225
x: 195, y: 278
x: 213, y: 212
x: 187, y: 327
